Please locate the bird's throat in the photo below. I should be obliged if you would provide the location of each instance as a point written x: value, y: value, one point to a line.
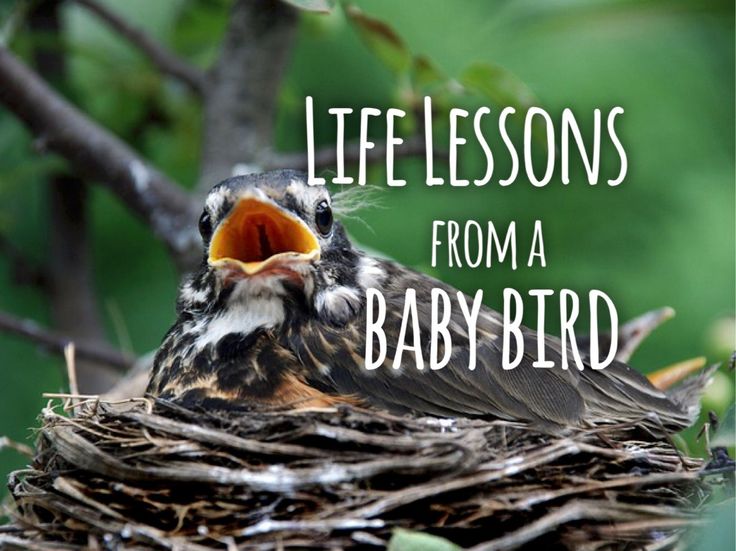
x: 258, y: 235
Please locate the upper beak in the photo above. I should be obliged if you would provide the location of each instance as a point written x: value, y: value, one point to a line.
x: 257, y: 235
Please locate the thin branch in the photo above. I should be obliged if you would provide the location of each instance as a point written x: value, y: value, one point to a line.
x: 327, y: 157
x: 70, y: 289
x: 166, y: 61
x: 6, y: 442
x: 56, y: 342
x: 240, y: 104
x: 72, y: 300
x: 97, y: 154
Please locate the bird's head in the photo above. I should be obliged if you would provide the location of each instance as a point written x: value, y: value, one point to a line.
x: 264, y: 230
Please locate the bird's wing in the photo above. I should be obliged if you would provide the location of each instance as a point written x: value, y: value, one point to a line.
x: 549, y: 397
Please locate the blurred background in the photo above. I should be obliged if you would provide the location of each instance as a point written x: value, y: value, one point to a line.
x: 663, y: 237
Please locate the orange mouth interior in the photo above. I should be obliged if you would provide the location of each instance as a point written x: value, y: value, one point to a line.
x: 258, y: 234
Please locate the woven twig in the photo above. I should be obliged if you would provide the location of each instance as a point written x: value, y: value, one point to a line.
x: 112, y: 478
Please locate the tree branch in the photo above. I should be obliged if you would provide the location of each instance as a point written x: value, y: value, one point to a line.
x: 97, y: 154
x: 70, y: 287
x: 327, y: 157
x: 241, y: 98
x: 55, y: 342
x: 74, y: 308
x: 166, y: 61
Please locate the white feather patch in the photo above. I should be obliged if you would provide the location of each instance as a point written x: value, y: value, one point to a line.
x: 242, y: 318
x: 338, y: 303
x: 191, y: 295
x: 370, y: 274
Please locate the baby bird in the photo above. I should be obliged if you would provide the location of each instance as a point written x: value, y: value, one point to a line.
x: 275, y: 315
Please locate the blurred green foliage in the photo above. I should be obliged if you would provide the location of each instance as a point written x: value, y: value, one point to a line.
x: 664, y: 237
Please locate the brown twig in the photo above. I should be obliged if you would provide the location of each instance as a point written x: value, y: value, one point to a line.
x: 165, y: 61
x: 71, y: 371
x: 97, y: 154
x: 6, y: 442
x: 56, y: 342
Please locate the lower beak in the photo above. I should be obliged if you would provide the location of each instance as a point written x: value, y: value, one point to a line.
x: 257, y: 235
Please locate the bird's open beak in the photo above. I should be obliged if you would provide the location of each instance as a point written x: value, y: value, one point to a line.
x: 258, y: 235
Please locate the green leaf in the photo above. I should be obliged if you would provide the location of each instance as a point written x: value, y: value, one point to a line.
x: 425, y: 72
x: 382, y: 40
x: 12, y: 21
x: 406, y: 540
x: 321, y: 6
x: 499, y: 85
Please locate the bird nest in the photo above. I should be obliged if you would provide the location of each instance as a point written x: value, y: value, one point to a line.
x: 156, y: 475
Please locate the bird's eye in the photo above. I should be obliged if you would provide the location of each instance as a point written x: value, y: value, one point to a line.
x: 323, y: 218
x: 205, y: 226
